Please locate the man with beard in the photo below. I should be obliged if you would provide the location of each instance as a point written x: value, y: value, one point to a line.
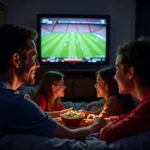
x: 18, y: 64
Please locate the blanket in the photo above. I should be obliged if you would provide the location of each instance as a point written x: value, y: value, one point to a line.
x: 139, y: 141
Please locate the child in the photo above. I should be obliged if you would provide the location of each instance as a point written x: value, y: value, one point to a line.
x: 107, y: 88
x: 49, y: 93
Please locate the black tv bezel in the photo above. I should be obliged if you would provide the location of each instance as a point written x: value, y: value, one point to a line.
x: 73, y: 64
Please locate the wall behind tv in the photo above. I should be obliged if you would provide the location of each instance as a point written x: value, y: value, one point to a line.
x: 122, y: 13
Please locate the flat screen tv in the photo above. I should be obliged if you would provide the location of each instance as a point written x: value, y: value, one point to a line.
x: 78, y: 40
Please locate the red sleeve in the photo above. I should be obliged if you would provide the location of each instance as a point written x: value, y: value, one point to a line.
x: 60, y: 107
x: 40, y: 100
x: 137, y: 121
x: 119, y: 117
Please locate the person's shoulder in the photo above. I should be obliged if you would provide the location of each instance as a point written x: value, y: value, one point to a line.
x: 145, y: 102
x: 2, y: 83
x: 113, y: 98
x: 144, y: 105
x: 8, y: 93
x: 4, y: 86
x: 40, y: 99
x: 12, y: 100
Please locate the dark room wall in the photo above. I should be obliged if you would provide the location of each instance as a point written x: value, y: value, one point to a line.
x: 122, y: 13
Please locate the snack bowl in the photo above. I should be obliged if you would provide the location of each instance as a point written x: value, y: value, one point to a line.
x: 72, y: 118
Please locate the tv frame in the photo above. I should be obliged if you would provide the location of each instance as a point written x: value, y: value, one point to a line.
x: 78, y: 65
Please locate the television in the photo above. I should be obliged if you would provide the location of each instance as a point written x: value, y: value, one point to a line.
x: 79, y: 41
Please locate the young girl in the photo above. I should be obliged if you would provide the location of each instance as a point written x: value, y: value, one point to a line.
x: 107, y: 88
x: 49, y: 93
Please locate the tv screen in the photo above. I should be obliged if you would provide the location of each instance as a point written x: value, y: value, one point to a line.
x: 73, y: 39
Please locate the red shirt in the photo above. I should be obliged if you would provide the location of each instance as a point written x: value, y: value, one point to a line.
x: 40, y: 100
x: 137, y: 121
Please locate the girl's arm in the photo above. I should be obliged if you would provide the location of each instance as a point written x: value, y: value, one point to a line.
x: 56, y: 114
x: 97, y: 112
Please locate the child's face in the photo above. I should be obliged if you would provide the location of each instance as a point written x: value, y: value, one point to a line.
x: 101, y: 88
x: 59, y: 90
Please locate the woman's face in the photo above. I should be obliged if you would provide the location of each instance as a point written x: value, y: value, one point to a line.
x: 59, y: 89
x: 101, y: 88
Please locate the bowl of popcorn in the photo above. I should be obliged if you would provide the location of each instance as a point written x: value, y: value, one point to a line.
x: 72, y: 118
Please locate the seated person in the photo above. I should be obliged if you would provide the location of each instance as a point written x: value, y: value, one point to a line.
x: 18, y: 65
x: 133, y: 77
x: 107, y: 88
x: 49, y: 92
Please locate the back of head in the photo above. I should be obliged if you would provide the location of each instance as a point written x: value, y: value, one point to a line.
x: 13, y: 39
x: 50, y: 78
x: 107, y: 74
x: 136, y: 54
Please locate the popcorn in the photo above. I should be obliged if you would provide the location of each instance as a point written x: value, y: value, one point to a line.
x: 72, y: 115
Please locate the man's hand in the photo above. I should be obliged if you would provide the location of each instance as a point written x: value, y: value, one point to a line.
x: 86, y: 122
x: 79, y: 133
x: 91, y: 116
x: 98, y: 124
x: 107, y: 119
x: 112, y: 122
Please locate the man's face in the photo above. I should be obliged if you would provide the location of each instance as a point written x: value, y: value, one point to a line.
x: 29, y: 66
x: 123, y: 79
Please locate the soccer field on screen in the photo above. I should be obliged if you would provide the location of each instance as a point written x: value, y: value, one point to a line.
x: 79, y: 45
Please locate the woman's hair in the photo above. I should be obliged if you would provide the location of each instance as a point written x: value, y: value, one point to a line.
x: 49, y: 79
x: 127, y: 101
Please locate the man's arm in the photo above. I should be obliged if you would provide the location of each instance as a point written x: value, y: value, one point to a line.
x: 118, y: 118
x: 28, y: 118
x: 137, y: 121
x: 80, y: 133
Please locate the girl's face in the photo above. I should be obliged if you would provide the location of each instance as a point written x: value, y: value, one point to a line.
x: 101, y: 88
x: 59, y: 89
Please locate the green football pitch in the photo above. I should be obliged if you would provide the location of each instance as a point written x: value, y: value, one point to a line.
x: 67, y: 45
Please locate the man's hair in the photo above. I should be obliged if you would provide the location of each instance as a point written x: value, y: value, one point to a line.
x: 136, y: 54
x: 13, y: 39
